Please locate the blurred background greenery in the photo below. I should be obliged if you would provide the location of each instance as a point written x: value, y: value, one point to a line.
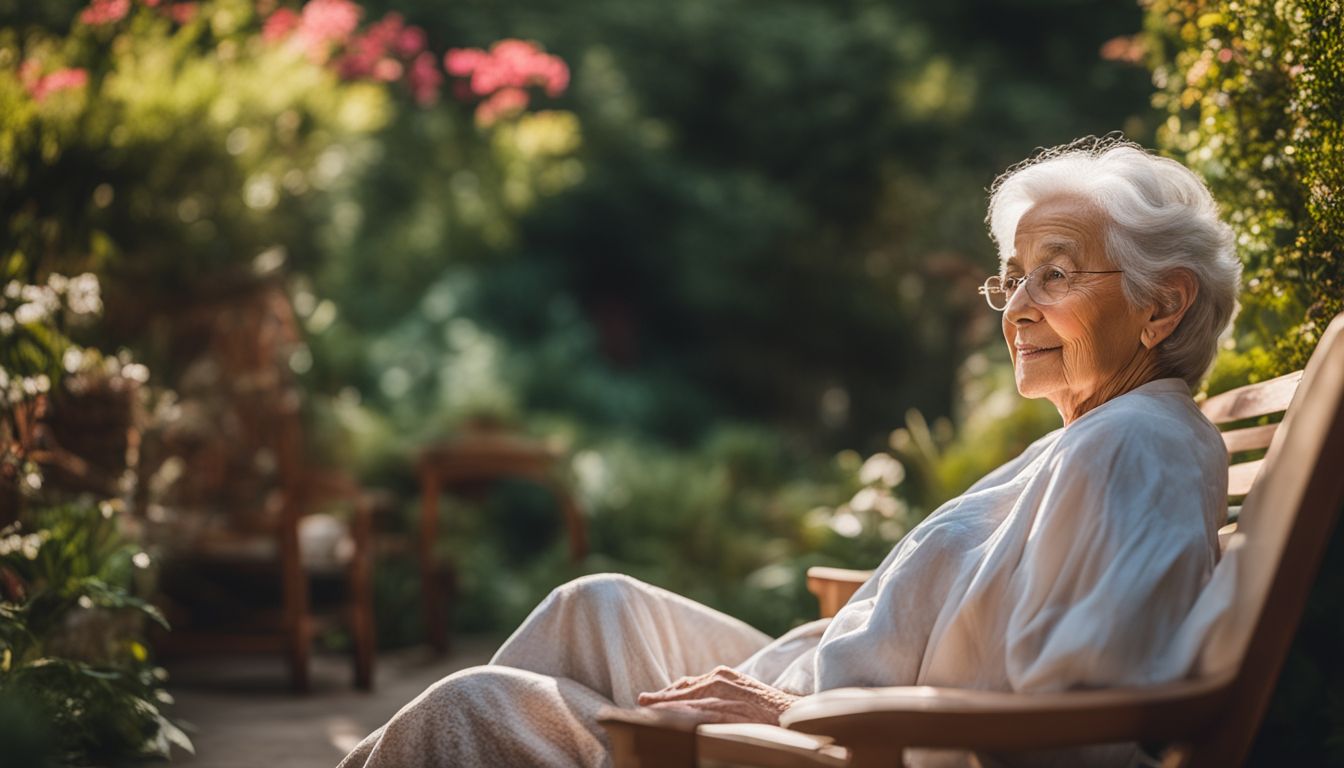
x: 727, y: 266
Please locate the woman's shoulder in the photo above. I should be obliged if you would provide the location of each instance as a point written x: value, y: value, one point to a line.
x: 1159, y: 420
x: 1159, y: 410
x: 1148, y: 452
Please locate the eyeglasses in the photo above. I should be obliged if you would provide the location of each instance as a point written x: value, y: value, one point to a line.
x: 1046, y: 284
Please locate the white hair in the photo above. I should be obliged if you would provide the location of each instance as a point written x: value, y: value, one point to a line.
x: 1159, y: 217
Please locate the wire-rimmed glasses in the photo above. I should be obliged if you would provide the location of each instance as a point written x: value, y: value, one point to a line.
x: 1046, y: 284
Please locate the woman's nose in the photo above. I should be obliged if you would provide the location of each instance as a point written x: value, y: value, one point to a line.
x: 1020, y: 307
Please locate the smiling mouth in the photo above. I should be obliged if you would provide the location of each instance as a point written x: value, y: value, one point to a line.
x: 1031, y: 353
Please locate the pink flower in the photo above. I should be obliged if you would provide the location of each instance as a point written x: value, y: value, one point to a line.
x: 385, y: 30
x: 105, y: 12
x: 410, y: 42
x: 1126, y: 48
x: 183, y: 13
x: 510, y: 66
x: 554, y: 74
x: 506, y: 102
x: 424, y: 79
x: 387, y: 70
x: 279, y: 25
x: 462, y: 61
x: 60, y: 80
x: 361, y: 57
x: 327, y: 21
x: 30, y: 71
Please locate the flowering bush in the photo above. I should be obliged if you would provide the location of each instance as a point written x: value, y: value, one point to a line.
x: 151, y: 153
x: 169, y: 145
x: 34, y: 354
x: 502, y: 75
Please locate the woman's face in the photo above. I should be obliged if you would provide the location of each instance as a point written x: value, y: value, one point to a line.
x: 1075, y: 352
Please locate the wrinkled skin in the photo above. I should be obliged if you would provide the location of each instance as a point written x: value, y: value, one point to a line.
x: 1092, y: 345
x: 722, y: 695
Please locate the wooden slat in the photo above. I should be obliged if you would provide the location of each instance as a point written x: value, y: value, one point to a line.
x: 834, y: 586
x: 1252, y: 400
x: 1240, y: 477
x: 1250, y: 438
x: 1225, y: 535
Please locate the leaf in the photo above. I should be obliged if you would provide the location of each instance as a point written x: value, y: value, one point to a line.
x: 175, y: 735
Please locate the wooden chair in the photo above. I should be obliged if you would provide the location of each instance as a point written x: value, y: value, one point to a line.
x: 241, y: 567
x: 1292, y: 497
x: 470, y: 462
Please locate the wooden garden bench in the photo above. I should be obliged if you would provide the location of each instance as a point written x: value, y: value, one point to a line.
x: 1290, y: 500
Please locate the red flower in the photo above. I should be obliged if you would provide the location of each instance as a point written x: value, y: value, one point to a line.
x: 105, y: 12
x: 424, y: 79
x: 279, y: 25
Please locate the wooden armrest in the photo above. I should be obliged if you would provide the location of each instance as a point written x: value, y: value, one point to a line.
x: 650, y: 738
x: 834, y: 586
x: 768, y: 746
x: 924, y: 716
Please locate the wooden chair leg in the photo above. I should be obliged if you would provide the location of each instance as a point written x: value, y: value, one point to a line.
x: 299, y: 651
x: 294, y: 596
x: 436, y: 625
x: 362, y: 629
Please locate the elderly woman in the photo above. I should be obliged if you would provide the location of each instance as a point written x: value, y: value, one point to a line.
x: 1076, y: 564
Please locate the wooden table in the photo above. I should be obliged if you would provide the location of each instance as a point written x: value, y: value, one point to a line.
x: 475, y: 459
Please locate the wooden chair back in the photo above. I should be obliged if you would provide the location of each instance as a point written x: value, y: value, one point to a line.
x: 1293, y: 497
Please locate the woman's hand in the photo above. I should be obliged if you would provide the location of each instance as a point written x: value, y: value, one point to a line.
x: 722, y: 695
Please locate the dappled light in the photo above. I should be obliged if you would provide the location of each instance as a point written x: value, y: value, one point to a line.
x: 335, y: 329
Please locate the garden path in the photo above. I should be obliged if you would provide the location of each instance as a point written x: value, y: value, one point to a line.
x: 243, y: 716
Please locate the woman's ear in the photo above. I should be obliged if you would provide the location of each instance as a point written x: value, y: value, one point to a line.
x: 1178, y: 293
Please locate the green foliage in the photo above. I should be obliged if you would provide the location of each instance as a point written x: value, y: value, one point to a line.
x: 733, y: 524
x: 71, y: 641
x: 773, y: 216
x: 180, y: 153
x: 993, y: 424
x: 1255, y: 94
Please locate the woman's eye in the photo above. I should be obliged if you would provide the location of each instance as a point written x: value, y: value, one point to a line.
x: 1052, y: 274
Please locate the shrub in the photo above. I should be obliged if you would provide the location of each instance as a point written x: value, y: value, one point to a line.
x: 72, y: 652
